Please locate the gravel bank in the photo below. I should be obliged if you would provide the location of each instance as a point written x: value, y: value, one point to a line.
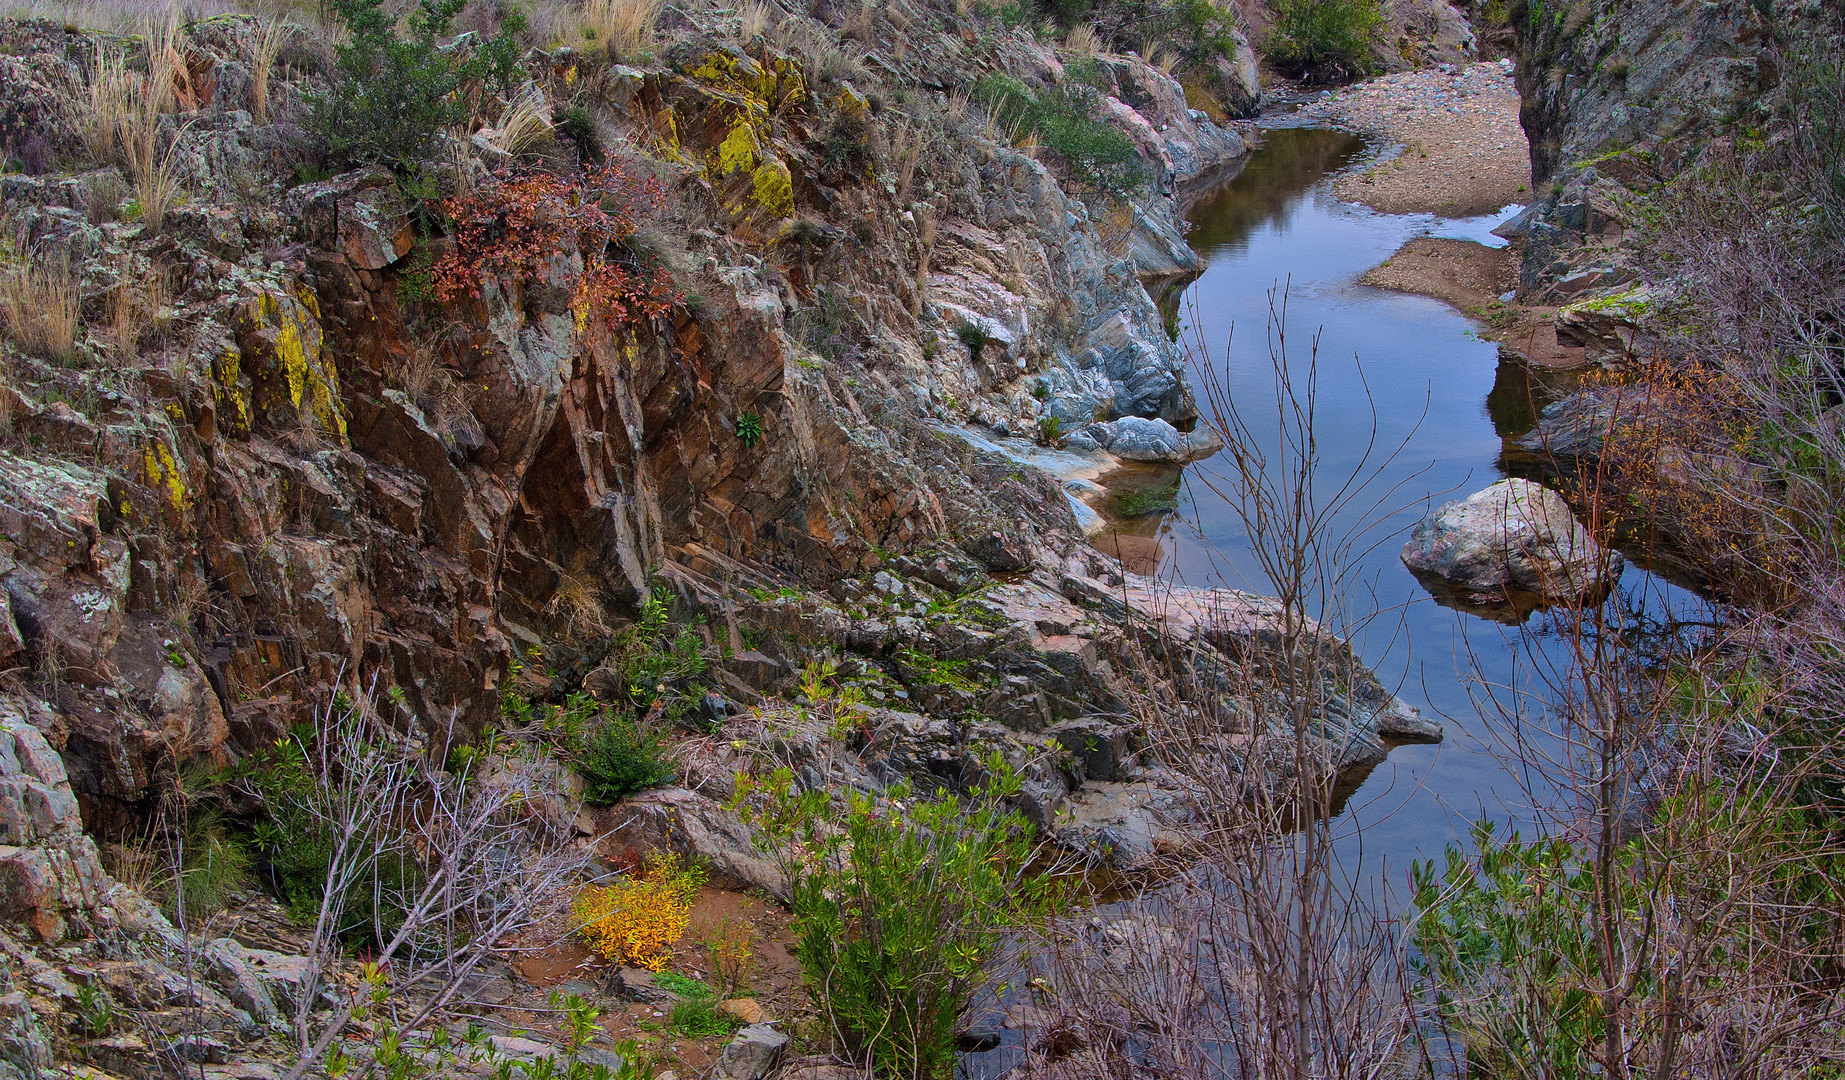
x: 1462, y: 150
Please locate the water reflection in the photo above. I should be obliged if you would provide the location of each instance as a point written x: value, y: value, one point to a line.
x: 1392, y: 370
x: 1291, y: 161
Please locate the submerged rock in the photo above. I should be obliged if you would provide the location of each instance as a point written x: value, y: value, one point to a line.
x: 1515, y: 535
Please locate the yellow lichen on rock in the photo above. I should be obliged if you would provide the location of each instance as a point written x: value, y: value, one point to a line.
x: 281, y: 332
x: 754, y: 93
x: 228, y: 393
x: 737, y: 153
x: 165, y: 475
x: 774, y: 188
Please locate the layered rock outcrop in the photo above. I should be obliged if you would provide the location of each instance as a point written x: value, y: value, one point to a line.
x: 326, y: 477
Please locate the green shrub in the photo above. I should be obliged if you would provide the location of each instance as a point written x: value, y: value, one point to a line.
x: 575, y: 124
x: 390, y: 96
x: 1067, y: 120
x: 620, y: 759
x: 658, y: 664
x: 899, y: 907
x: 1510, y: 939
x: 1324, y: 40
x: 298, y: 844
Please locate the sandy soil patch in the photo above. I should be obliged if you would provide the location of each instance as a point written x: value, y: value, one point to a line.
x: 1462, y: 152
x: 1472, y: 277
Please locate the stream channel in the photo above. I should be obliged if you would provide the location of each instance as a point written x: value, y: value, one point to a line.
x: 1439, y: 394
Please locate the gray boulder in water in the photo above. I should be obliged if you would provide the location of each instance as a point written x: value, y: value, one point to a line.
x: 1515, y: 535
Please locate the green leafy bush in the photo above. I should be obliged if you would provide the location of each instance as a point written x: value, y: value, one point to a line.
x: 658, y: 664
x: 1511, y: 940
x: 899, y: 907
x: 621, y: 758
x: 1325, y: 40
x: 390, y: 96
x: 1067, y: 119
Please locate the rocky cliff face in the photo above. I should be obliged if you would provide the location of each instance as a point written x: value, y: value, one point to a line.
x: 1618, y: 98
x: 312, y: 474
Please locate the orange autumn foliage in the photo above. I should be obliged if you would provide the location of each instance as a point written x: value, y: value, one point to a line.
x: 639, y: 920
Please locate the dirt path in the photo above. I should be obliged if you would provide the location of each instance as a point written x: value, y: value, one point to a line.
x: 1463, y: 151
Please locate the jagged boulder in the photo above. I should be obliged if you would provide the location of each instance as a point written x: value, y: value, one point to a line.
x: 1515, y: 535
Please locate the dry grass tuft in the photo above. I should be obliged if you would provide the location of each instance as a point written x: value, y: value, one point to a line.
x: 122, y: 121
x: 262, y: 64
x: 525, y: 126
x: 624, y: 27
x: 1082, y: 41
x: 1164, y: 61
x: 753, y: 19
x: 38, y: 298
x: 109, y: 95
x: 433, y: 389
x: 577, y: 603
x: 137, y: 304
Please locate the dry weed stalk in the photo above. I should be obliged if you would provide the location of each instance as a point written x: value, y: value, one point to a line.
x: 1255, y: 959
x: 495, y: 849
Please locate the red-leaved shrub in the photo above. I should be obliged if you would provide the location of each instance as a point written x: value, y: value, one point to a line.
x: 509, y: 227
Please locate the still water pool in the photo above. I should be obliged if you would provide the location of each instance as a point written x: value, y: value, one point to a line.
x: 1394, y: 372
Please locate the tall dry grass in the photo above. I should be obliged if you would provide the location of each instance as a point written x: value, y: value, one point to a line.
x: 754, y: 18
x: 262, y: 66
x: 1082, y: 40
x: 123, y: 119
x: 38, y: 299
x: 525, y: 126
x: 624, y: 27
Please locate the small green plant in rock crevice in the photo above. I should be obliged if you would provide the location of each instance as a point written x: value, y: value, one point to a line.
x: 975, y: 337
x: 95, y: 1010
x: 749, y: 429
